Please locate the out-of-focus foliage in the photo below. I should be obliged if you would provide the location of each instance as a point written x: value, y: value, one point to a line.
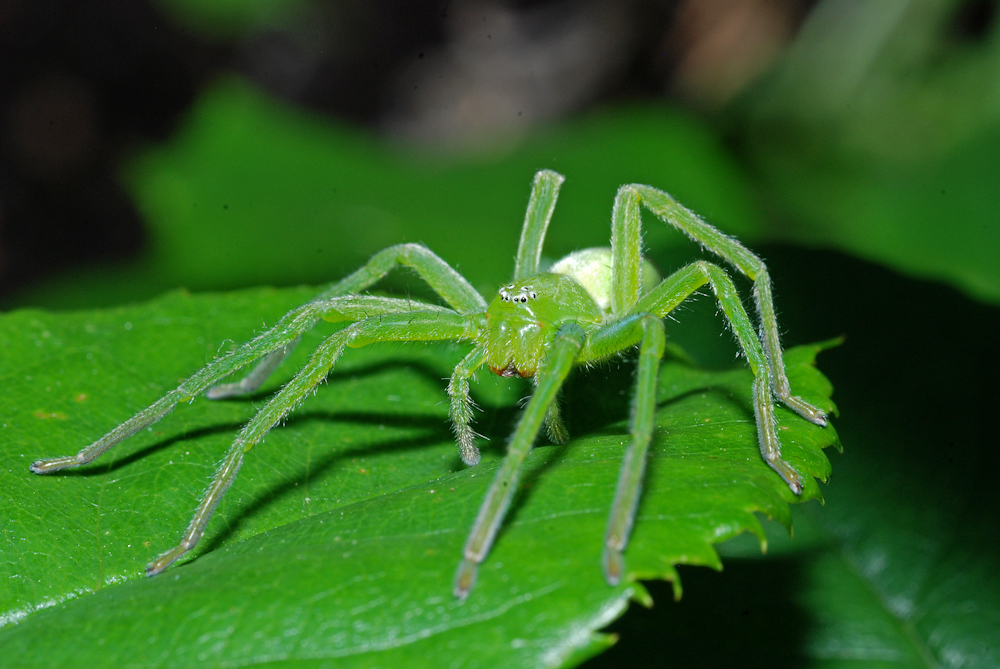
x: 879, y: 133
x: 229, y: 18
x: 253, y: 192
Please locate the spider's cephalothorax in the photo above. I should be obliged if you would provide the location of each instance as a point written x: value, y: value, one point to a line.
x: 526, y: 314
x: 591, y: 305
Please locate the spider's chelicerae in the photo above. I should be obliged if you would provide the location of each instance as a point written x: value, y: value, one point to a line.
x: 589, y: 306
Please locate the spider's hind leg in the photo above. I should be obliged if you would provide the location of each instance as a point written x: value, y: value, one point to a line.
x: 283, y: 334
x: 252, y: 381
x: 431, y: 325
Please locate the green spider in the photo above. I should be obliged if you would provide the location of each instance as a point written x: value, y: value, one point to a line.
x: 590, y: 306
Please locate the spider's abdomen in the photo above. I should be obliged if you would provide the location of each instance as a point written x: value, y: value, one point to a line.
x: 592, y: 269
x: 526, y: 314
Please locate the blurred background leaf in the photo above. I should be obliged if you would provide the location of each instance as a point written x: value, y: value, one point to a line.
x: 251, y: 191
x: 894, y: 111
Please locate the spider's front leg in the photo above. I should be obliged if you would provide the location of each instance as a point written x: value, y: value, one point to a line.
x: 556, y: 365
x: 648, y: 330
x: 646, y: 324
x: 625, y: 243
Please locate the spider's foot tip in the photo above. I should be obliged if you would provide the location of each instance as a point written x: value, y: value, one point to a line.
x: 465, y: 578
x: 221, y: 392
x: 158, y: 566
x: 614, y: 565
x: 811, y: 413
x: 165, y: 560
x: 53, y: 465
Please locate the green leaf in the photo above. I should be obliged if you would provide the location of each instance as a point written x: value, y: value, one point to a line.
x: 878, y: 133
x: 900, y: 567
x: 342, y: 534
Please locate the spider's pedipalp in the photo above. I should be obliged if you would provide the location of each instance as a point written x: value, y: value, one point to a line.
x: 460, y: 407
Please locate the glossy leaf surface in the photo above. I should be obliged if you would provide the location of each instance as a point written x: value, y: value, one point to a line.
x: 342, y: 534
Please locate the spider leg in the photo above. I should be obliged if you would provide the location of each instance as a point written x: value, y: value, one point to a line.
x: 460, y: 406
x: 648, y: 329
x: 286, y: 331
x: 332, y: 309
x: 679, y: 286
x: 625, y: 243
x: 439, y: 275
x: 252, y: 381
x: 414, y: 326
x: 558, y: 361
x: 461, y: 409
x: 445, y: 281
x: 544, y: 192
x: 283, y: 335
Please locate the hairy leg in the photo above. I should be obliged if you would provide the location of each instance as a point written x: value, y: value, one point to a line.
x: 332, y: 309
x: 286, y: 331
x: 439, y: 275
x: 556, y: 366
x: 415, y: 326
x: 678, y: 287
x: 626, y: 264
x: 252, y: 381
x: 544, y: 192
x: 648, y: 329
x: 276, y: 340
x: 555, y: 427
x: 460, y: 405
